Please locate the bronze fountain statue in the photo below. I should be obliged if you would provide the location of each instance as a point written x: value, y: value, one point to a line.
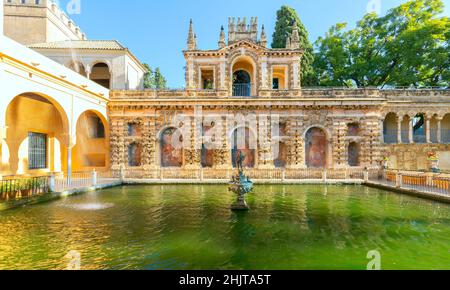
x: 240, y: 184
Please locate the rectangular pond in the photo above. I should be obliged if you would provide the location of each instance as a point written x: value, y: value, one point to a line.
x: 192, y: 227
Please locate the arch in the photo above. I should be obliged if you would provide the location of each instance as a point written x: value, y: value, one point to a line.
x: 280, y: 160
x: 419, y: 128
x: 434, y: 129
x: 243, y: 76
x: 134, y: 152
x: 78, y: 67
x: 353, y: 129
x: 390, y: 128
x: 445, y: 129
x: 405, y: 129
x: 171, y: 147
x: 207, y: 154
x: 354, y: 154
x: 243, y: 140
x: 101, y: 74
x: 316, y: 147
x: 92, y: 136
x: 37, y: 136
x: 242, y: 84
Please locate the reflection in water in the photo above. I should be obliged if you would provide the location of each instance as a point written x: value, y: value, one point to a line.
x: 89, y: 206
x: 191, y: 227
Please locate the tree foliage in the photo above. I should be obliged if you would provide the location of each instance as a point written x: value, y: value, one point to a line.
x: 409, y: 46
x: 286, y: 17
x: 154, y: 79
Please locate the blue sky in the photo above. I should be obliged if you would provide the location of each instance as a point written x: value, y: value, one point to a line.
x: 156, y: 31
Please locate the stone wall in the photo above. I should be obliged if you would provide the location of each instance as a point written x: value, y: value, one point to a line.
x: 415, y: 156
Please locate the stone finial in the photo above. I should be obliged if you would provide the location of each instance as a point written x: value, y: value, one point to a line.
x: 192, y: 38
x: 295, y: 37
x: 254, y: 24
x: 222, y: 38
x: 288, y: 43
x: 263, y: 41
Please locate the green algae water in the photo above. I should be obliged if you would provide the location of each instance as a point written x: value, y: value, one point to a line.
x: 192, y: 227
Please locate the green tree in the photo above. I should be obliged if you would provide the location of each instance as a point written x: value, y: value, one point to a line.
x: 154, y: 79
x: 160, y: 80
x: 286, y: 17
x: 408, y: 46
x: 148, y: 77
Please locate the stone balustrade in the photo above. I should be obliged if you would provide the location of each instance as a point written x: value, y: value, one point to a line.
x: 393, y: 95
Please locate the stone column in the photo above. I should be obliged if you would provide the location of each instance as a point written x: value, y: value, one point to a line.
x: 69, y: 164
x: 399, y: 130
x: 428, y: 129
x: 411, y: 131
x: 439, y: 130
x: 88, y: 71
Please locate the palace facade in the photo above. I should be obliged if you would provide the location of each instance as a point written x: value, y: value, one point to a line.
x: 245, y: 96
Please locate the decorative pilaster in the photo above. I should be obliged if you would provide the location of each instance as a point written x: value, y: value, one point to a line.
x: 192, y: 155
x: 296, y: 151
x: 340, y: 156
x: 117, y: 141
x: 222, y: 155
x: 265, y: 156
x: 370, y: 153
x: 149, y: 143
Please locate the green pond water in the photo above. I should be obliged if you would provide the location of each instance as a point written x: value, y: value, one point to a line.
x: 192, y: 227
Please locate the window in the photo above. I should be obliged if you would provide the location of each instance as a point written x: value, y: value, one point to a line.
x: 207, y: 78
x: 276, y: 84
x: 353, y: 129
x: 133, y: 130
x: 37, y: 151
x: 96, y: 128
x: 279, y: 77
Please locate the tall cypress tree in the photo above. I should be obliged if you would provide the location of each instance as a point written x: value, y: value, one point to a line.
x: 154, y: 79
x: 149, y: 79
x: 286, y: 16
x: 160, y: 80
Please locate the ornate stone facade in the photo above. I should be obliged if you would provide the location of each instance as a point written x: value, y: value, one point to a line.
x: 243, y: 84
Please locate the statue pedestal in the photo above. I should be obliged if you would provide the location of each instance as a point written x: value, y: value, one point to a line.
x: 240, y: 204
x: 240, y: 185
